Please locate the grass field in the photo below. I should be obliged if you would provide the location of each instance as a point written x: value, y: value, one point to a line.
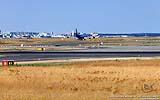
x: 67, y: 44
x: 98, y: 80
x: 132, y: 41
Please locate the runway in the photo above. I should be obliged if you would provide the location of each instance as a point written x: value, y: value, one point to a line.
x: 36, y: 56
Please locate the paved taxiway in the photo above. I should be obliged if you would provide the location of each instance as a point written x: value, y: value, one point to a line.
x: 35, y: 56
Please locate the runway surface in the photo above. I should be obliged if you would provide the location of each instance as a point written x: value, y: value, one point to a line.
x: 35, y: 56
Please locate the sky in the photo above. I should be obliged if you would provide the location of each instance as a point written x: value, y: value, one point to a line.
x: 86, y: 15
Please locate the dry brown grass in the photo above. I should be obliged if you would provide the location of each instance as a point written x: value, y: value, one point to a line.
x: 33, y: 41
x: 81, y: 81
x: 132, y: 41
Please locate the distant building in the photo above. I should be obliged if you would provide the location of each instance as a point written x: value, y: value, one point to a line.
x: 1, y: 36
x: 73, y: 34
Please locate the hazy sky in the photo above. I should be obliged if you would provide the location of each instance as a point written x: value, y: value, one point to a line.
x: 86, y: 15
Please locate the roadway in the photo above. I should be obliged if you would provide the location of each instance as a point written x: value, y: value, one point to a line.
x: 36, y: 56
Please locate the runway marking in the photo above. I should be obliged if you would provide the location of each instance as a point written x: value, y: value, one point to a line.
x: 88, y: 59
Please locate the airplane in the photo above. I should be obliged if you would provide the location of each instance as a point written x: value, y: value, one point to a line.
x: 84, y: 36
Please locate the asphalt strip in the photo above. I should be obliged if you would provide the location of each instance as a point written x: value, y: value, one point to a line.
x: 88, y: 59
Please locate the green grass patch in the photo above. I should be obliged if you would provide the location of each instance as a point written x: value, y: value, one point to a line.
x: 55, y: 64
x: 2, y: 55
